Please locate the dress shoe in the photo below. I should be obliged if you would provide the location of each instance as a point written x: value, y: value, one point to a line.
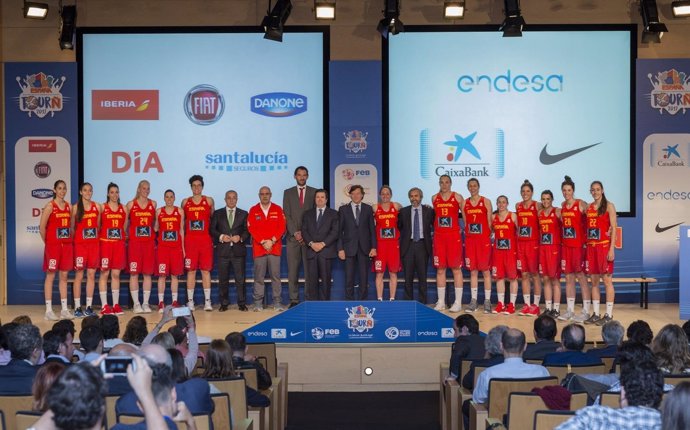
x: 243, y: 308
x: 293, y: 304
x: 223, y: 308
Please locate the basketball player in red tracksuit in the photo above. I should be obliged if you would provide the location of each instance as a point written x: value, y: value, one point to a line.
x: 550, y: 253
x: 387, y: 239
x: 477, y: 213
x: 504, y: 258
x: 86, y: 216
x: 528, y: 248
x: 141, y: 251
x: 113, y: 258
x: 169, y: 252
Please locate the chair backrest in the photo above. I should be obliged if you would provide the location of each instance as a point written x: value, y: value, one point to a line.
x: 533, y: 361
x: 590, y: 345
x: 201, y: 421
x: 110, y: 414
x: 477, y: 371
x: 10, y: 405
x: 612, y: 400
x: 676, y: 379
x: 249, y: 376
x: 26, y: 419
x: 236, y: 389
x: 560, y: 371
x: 500, y: 389
x: 265, y: 353
x: 578, y: 400
x: 521, y: 409
x: 221, y: 411
x: 549, y: 420
x: 608, y: 363
x: 2, y: 421
x: 464, y: 368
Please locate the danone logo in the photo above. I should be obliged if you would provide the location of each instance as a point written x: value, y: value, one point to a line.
x: 42, y: 193
x: 279, y: 104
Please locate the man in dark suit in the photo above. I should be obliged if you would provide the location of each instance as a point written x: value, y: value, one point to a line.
x: 320, y: 232
x: 415, y: 223
x: 297, y: 200
x: 571, y: 351
x: 58, y: 346
x: 229, y: 233
x: 544, y: 336
x: 356, y: 242
x: 25, y: 344
x: 468, y: 345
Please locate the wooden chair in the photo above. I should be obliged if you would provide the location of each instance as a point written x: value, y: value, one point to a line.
x: 265, y: 353
x: 265, y: 417
x: 548, y: 420
x: 560, y: 371
x: 202, y: 421
x: 283, y: 401
x: 497, y: 401
x: 444, y: 371
x: 522, y: 406
x: 249, y: 376
x: 110, y: 413
x: 612, y: 400
x: 26, y: 419
x: 448, y: 393
x: 11, y: 404
x: 608, y: 363
x: 590, y: 345
x: 235, y: 388
x: 578, y: 400
x: 676, y: 379
x: 221, y: 411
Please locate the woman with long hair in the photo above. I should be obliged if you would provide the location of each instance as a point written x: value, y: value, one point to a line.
x: 670, y: 347
x: 45, y: 376
x: 112, y: 235
x: 136, y: 331
x: 141, y: 212
x: 527, y: 212
x: 550, y: 253
x: 86, y: 216
x: 387, y: 242
x: 675, y: 414
x: 504, y: 258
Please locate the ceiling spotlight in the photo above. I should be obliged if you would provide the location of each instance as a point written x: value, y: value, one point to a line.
x: 513, y: 22
x: 391, y: 23
x: 324, y: 9
x: 35, y: 10
x: 453, y: 9
x: 68, y: 26
x: 274, y: 21
x: 653, y: 30
x: 681, y: 8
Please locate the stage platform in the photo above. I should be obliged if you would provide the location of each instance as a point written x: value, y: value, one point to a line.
x: 340, y: 367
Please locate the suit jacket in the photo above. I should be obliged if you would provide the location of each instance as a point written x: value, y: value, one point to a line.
x: 469, y: 347
x: 194, y: 392
x: 537, y: 351
x: 570, y: 357
x: 405, y: 226
x: 355, y: 237
x: 327, y: 232
x: 219, y: 225
x: 16, y: 377
x: 292, y: 209
x: 607, y: 351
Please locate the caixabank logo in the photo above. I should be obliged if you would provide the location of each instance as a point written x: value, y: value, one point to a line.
x: 471, y: 153
x: 40, y: 94
x: 669, y: 152
x: 670, y: 91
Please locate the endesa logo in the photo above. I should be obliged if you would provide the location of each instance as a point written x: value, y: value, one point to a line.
x: 124, y: 105
x: 204, y: 105
x: 507, y: 83
x: 42, y: 145
x: 279, y: 105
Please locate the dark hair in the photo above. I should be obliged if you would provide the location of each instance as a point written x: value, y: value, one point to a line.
x: 387, y: 187
x: 218, y: 361
x: 674, y: 412
x: 80, y: 202
x: 473, y: 180
x: 22, y: 319
x: 136, y: 330
x: 670, y: 346
x: 639, y: 331
x: 632, y: 352
x: 686, y: 328
x: 90, y: 338
x: 528, y: 184
x: 513, y: 341
x: 355, y: 187
x: 603, y: 205
x: 545, y: 327
x: 178, y: 334
x: 196, y: 178
x: 51, y: 342
x: 568, y: 181
x: 162, y: 382
x: 445, y: 176
x: 4, y: 335
x: 468, y: 321
x: 77, y: 398
x: 23, y: 340
x: 298, y: 168
x: 112, y: 185
x: 321, y: 190
x: 55, y: 185
x: 548, y: 193
x: 168, y: 191
x: 65, y: 325
x: 44, y: 379
x: 110, y: 326
x: 573, y: 337
x: 237, y: 342
x: 92, y: 320
x: 643, y: 384
x: 179, y: 369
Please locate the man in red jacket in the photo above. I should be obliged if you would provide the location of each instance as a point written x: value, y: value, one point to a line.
x: 266, y: 224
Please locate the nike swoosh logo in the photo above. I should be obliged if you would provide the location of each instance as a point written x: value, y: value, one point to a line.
x: 547, y: 158
x: 295, y: 333
x: 659, y: 229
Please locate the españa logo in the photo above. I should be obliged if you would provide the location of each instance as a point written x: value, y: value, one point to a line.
x: 279, y: 105
x: 670, y: 91
x: 124, y: 105
x: 40, y: 94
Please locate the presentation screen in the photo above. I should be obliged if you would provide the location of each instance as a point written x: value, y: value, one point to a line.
x: 548, y: 104
x: 239, y: 110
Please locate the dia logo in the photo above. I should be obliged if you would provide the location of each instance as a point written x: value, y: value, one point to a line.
x: 123, y: 162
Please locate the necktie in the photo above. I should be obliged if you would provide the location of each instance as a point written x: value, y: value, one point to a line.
x: 231, y: 217
x: 415, y: 226
x: 301, y: 197
x: 357, y: 214
x: 318, y: 218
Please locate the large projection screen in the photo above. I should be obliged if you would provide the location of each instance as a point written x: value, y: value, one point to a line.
x: 165, y: 104
x: 556, y: 101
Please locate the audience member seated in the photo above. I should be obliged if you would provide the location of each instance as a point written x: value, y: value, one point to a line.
x: 91, y: 339
x: 58, y: 346
x: 686, y: 329
x: 118, y: 384
x: 45, y: 377
x: 640, y: 332
x: 493, y: 354
x: 110, y: 326
x: 571, y: 350
x: 164, y: 339
x: 25, y: 343
x: 167, y: 340
x: 219, y: 366
x: 242, y: 360
x: 545, y: 331
x: 90, y: 320
x: 670, y: 346
x: 468, y: 345
x: 675, y: 414
x: 641, y: 392
x: 179, y: 371
x: 612, y: 332
x: 136, y: 331
x: 22, y: 319
x: 181, y: 322
x: 69, y: 326
x: 5, y: 354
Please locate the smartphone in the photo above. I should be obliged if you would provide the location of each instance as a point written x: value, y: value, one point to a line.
x: 183, y: 311
x: 116, y: 365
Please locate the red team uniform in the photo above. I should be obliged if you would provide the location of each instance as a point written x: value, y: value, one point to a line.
x: 113, y: 238
x: 549, y: 244
x: 477, y: 236
x: 573, y: 239
x: 528, y: 238
x: 598, y: 243
x: 86, y: 243
x: 58, y: 247
x: 169, y: 256
x: 504, y: 263
x: 447, y: 242
x: 387, y: 240
x: 141, y: 250
x: 197, y: 239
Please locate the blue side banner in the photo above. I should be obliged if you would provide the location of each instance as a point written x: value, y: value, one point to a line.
x: 355, y: 322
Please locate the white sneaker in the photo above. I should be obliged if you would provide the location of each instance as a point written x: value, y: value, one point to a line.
x: 65, y: 314
x: 581, y: 317
x: 566, y: 316
x: 207, y: 306
x: 457, y: 307
x: 138, y: 309
x: 440, y: 306
x: 146, y: 308
x: 190, y: 304
x: 50, y: 316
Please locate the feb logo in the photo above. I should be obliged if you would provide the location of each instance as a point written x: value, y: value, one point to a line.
x: 204, y: 105
x: 360, y: 318
x: 356, y: 141
x: 279, y: 105
x: 40, y: 94
x: 670, y: 91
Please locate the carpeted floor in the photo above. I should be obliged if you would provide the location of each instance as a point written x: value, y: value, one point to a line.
x: 363, y: 411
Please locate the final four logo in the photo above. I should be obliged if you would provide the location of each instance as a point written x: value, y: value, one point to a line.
x: 40, y: 94
x: 356, y: 141
x: 671, y: 91
x: 361, y: 318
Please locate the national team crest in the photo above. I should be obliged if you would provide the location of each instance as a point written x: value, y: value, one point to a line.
x: 40, y: 94
x: 360, y: 318
x: 356, y: 141
x: 671, y: 91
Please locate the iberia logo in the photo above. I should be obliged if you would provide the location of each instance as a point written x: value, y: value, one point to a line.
x: 124, y: 105
x: 40, y: 94
x: 671, y: 91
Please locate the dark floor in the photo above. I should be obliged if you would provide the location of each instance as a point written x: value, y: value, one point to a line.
x: 413, y: 410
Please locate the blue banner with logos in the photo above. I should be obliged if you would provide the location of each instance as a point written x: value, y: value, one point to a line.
x: 40, y: 148
x: 355, y: 322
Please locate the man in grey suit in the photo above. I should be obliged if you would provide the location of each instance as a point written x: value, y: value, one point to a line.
x: 416, y: 222
x: 320, y: 232
x: 297, y: 200
x: 229, y: 232
x: 357, y: 242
